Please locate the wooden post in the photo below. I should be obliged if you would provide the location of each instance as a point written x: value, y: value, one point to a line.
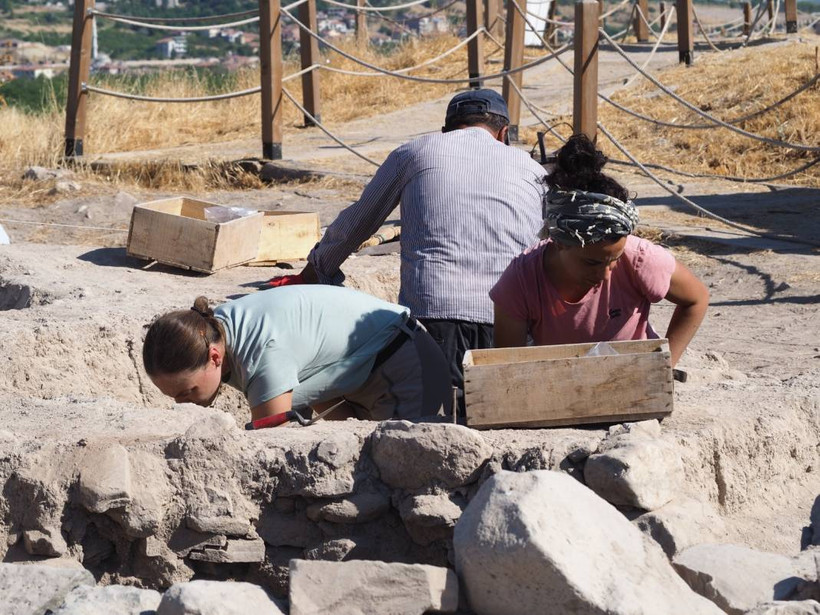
x: 641, y: 29
x: 493, y: 24
x: 362, y: 37
x: 475, y: 48
x: 309, y: 49
x: 791, y: 16
x: 585, y: 87
x: 270, y: 61
x: 78, y: 75
x: 685, y: 38
x: 770, y: 9
x: 550, y: 29
x: 747, y: 18
x: 513, y: 58
x: 663, y: 15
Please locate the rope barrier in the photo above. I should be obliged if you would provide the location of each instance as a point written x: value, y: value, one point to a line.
x: 97, y: 13
x: 530, y: 107
x: 731, y: 178
x: 613, y: 10
x: 703, y: 31
x: 736, y: 120
x: 760, y: 7
x: 775, y: 11
x: 376, y: 9
x: 411, y: 77
x: 642, y: 17
x: 408, y: 69
x: 156, y: 26
x: 810, y: 25
x: 703, y: 114
x: 655, y: 48
x: 319, y: 125
x: 90, y: 228
x: 694, y: 205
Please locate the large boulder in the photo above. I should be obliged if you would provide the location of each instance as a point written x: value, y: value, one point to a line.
x: 217, y: 598
x: 32, y: 590
x: 681, y: 524
x: 541, y: 538
x: 635, y: 471
x: 737, y: 578
x: 370, y: 588
x: 110, y: 600
x: 412, y: 456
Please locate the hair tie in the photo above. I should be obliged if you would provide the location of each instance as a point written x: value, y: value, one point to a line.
x: 200, y: 312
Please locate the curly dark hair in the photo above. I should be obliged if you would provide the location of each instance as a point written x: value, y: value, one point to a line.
x: 578, y: 167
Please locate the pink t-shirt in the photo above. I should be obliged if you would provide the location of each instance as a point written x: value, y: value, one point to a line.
x: 617, y: 309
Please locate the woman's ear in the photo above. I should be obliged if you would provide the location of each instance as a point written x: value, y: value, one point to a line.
x: 215, y: 355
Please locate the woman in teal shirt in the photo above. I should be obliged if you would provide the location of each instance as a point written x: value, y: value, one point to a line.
x: 299, y: 345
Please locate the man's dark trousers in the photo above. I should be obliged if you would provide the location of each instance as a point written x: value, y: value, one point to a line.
x: 455, y: 337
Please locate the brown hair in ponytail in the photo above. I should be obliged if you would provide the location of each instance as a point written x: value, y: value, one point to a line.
x: 179, y: 341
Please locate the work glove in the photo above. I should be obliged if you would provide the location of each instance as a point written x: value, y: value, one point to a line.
x: 284, y: 280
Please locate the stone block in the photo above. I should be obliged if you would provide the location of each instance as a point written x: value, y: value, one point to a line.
x: 184, y: 540
x: 370, y: 587
x: 783, y: 607
x: 429, y: 517
x: 32, y: 589
x: 49, y: 542
x: 681, y: 524
x: 109, y: 600
x: 105, y: 478
x: 412, y: 456
x: 150, y: 495
x: 735, y: 577
x: 358, y: 508
x: 236, y: 551
x: 528, y: 540
x: 637, y: 472
x: 217, y: 598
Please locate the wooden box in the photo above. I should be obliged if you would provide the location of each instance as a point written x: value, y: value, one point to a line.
x: 287, y: 236
x: 175, y: 232
x: 541, y: 386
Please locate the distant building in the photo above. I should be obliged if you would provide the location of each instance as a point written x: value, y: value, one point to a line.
x: 172, y: 46
x: 32, y: 72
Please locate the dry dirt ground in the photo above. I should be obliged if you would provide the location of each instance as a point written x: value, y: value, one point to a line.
x: 748, y: 419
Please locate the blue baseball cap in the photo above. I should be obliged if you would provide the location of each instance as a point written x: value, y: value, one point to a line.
x: 476, y: 101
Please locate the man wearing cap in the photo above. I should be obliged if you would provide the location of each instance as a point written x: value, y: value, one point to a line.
x: 469, y: 205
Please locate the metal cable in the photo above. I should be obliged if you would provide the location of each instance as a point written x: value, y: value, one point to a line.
x: 703, y: 114
x: 694, y: 205
x: 413, y: 78
x: 319, y: 125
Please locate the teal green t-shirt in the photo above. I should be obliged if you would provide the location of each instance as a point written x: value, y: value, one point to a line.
x: 319, y: 341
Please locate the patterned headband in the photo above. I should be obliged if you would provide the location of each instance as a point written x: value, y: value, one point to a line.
x: 579, y: 217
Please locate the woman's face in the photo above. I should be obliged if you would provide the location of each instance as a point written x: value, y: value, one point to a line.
x: 196, y: 386
x: 593, y: 264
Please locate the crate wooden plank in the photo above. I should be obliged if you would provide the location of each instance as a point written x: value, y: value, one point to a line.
x: 175, y: 232
x: 287, y: 235
x: 557, y: 385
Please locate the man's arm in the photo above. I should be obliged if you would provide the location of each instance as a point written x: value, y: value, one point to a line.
x: 358, y: 222
x: 691, y: 297
x: 507, y: 331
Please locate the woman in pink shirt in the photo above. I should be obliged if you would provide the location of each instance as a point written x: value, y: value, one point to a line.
x: 590, y: 280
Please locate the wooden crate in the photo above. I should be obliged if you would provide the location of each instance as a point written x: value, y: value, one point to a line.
x: 286, y: 236
x: 175, y: 232
x: 541, y: 386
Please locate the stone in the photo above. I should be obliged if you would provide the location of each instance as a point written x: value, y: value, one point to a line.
x: 287, y: 529
x: 150, y: 495
x: 681, y: 524
x: 648, y: 429
x: 636, y: 472
x: 315, y: 470
x: 807, y: 568
x: 370, y: 587
x: 412, y: 456
x: 783, y: 607
x: 49, y: 543
x: 217, y: 598
x: 283, y: 172
x: 184, y: 540
x: 236, y: 551
x: 331, y: 550
x: 735, y: 577
x: 109, y: 600
x: 213, y: 511
x: 539, y: 538
x: 33, y: 589
x: 65, y: 187
x: 42, y: 174
x: 429, y: 517
x: 358, y: 508
x: 105, y: 478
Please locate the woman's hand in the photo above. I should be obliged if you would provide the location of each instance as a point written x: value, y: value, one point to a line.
x: 691, y: 297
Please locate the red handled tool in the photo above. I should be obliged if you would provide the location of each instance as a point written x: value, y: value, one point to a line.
x: 291, y: 415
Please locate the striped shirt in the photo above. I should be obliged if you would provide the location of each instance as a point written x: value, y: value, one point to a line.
x: 469, y: 205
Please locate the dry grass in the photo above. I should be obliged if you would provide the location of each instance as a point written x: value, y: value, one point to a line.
x: 728, y: 86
